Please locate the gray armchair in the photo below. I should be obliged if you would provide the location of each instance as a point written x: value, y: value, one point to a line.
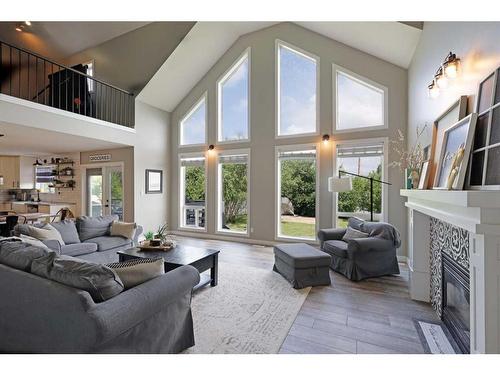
x: 361, y: 258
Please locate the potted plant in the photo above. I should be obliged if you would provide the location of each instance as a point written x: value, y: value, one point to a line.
x: 410, y: 160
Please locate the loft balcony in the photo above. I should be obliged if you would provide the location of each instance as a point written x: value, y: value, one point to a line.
x: 26, y: 75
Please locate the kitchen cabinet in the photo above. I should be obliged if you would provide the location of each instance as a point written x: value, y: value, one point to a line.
x: 5, y: 206
x: 18, y: 172
x: 20, y: 208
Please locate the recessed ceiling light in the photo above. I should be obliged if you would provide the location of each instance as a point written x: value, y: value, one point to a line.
x: 19, y: 28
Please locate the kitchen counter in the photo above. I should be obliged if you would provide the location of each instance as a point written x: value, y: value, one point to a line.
x: 39, y: 207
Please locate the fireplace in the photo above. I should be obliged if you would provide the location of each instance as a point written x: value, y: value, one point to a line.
x: 456, y: 301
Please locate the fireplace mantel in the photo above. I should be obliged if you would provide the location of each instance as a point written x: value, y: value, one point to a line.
x: 475, y: 211
x: 478, y: 212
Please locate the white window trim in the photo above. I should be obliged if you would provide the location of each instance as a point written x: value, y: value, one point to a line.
x: 385, y: 171
x: 224, y: 77
x: 218, y: 192
x: 191, y: 110
x: 300, y: 51
x: 277, y: 191
x: 180, y: 214
x: 364, y: 81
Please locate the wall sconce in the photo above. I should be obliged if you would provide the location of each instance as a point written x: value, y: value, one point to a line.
x: 433, y: 90
x: 325, y: 138
x: 448, y: 70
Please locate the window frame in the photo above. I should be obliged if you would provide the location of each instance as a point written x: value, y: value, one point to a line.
x: 385, y: 170
x: 277, y: 191
x: 277, y: 86
x: 218, y: 91
x: 365, y: 81
x: 218, y: 192
x: 182, y: 192
x: 189, y: 112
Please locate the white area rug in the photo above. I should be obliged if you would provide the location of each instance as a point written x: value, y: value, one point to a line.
x: 250, y: 311
x: 436, y: 339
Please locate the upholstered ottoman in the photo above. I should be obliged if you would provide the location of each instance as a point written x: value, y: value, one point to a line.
x: 302, y: 265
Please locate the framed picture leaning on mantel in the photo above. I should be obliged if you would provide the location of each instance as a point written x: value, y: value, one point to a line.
x: 154, y: 181
x: 484, y: 165
x: 450, y: 116
x: 455, y: 152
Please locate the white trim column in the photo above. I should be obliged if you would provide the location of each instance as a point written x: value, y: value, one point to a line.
x: 419, y: 256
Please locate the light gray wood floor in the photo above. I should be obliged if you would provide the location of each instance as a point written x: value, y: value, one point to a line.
x: 371, y: 316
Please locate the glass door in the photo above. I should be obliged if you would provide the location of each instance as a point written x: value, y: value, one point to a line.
x: 114, y: 196
x: 105, y: 191
x: 94, y: 192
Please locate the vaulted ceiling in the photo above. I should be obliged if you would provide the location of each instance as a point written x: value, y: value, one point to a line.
x: 206, y: 42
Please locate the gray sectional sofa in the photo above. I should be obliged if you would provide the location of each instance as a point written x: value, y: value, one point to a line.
x: 87, y: 238
x: 39, y: 315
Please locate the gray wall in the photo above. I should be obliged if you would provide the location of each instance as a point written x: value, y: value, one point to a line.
x: 150, y: 152
x: 130, y: 60
x: 263, y: 142
x: 476, y: 43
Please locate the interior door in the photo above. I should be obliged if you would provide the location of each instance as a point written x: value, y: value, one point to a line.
x: 105, y: 191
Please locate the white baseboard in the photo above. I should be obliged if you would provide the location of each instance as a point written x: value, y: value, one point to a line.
x: 204, y: 235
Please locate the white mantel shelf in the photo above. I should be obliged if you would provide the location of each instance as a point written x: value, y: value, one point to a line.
x: 478, y: 212
x: 475, y: 211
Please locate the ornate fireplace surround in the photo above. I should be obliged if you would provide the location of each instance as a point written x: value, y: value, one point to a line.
x: 466, y: 226
x: 449, y: 259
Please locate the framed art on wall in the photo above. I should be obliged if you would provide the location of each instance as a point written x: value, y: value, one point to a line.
x: 154, y: 181
x: 455, y: 152
x: 450, y: 116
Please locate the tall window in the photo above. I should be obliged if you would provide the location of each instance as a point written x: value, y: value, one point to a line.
x: 193, y: 125
x: 233, y: 97
x: 232, y: 191
x: 192, y: 192
x: 296, y: 92
x: 360, y: 103
x: 367, y: 160
x: 296, y: 198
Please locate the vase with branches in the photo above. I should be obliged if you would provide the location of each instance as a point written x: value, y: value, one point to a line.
x: 409, y: 159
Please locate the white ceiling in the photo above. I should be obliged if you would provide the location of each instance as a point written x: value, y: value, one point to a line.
x: 25, y: 140
x: 57, y: 40
x: 394, y: 42
x: 206, y: 42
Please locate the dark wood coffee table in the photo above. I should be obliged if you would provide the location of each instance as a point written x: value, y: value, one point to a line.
x: 201, y: 259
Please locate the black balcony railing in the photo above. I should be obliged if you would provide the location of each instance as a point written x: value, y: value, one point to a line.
x: 28, y: 76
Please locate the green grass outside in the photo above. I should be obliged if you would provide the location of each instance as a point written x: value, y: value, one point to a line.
x: 239, y: 224
x: 341, y: 223
x: 294, y: 229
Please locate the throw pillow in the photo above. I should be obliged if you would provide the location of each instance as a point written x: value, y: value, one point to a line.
x: 92, y: 227
x: 101, y: 282
x: 352, y: 234
x: 21, y: 255
x: 32, y: 241
x: 67, y: 229
x: 135, y: 272
x: 47, y: 232
x: 127, y: 230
